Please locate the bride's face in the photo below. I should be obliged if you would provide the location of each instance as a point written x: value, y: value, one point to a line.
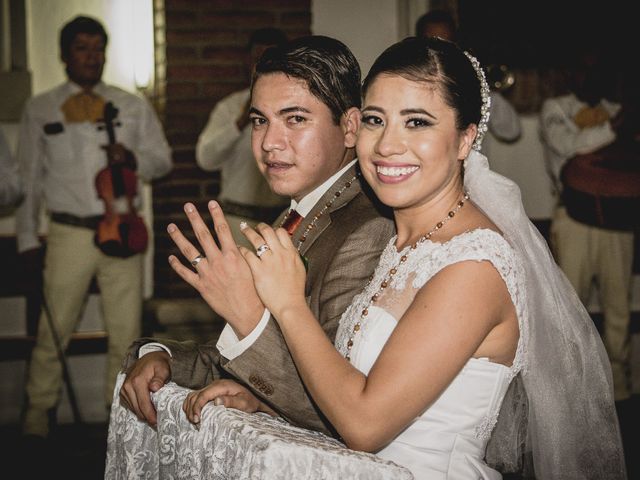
x: 409, y: 147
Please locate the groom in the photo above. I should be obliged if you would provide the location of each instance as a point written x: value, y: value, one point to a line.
x: 304, y: 109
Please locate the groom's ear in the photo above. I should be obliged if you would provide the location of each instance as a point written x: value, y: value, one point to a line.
x: 350, y: 124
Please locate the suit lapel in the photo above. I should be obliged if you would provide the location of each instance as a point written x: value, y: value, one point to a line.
x: 324, y: 219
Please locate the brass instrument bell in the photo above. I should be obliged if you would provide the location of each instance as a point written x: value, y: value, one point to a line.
x: 500, y: 77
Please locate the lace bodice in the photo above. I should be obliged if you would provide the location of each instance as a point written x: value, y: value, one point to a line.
x: 422, y: 264
x: 461, y: 420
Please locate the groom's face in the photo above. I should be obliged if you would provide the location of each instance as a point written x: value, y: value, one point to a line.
x: 294, y: 139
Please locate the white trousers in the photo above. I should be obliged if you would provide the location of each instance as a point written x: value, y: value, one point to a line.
x: 71, y: 261
x: 585, y: 254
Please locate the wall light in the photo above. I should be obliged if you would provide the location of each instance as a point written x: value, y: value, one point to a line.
x: 143, y: 48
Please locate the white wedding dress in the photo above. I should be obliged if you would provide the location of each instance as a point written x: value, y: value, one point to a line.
x: 449, y: 439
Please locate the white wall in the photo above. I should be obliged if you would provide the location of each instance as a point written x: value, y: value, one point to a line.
x: 45, y: 18
x: 367, y: 27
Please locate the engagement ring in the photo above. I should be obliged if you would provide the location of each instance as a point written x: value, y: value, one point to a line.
x: 261, y: 249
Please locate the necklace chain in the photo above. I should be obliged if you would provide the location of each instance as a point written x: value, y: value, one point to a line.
x: 389, y: 276
x: 325, y: 207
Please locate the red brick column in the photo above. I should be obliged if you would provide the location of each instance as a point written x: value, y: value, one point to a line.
x: 203, y: 48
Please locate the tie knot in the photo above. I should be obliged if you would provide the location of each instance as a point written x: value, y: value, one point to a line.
x: 291, y: 221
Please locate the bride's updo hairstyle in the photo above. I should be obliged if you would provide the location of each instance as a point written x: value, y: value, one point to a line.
x: 439, y: 64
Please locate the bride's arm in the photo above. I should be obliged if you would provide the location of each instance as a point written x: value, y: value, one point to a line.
x: 445, y: 325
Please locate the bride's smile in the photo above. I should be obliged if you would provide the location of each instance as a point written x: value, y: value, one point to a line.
x: 409, y: 145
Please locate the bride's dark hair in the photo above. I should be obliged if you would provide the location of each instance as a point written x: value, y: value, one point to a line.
x: 439, y: 63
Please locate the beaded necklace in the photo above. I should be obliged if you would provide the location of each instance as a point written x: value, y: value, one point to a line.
x: 325, y: 207
x: 389, y: 276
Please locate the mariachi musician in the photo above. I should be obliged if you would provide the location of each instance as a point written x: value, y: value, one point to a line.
x: 578, y: 126
x: 62, y: 148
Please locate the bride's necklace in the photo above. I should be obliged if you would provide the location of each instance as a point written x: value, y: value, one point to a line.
x: 389, y: 276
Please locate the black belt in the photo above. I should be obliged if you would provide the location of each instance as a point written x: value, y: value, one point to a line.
x: 84, y: 222
x: 261, y: 214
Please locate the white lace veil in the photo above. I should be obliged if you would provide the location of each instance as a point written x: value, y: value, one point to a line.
x: 558, y: 420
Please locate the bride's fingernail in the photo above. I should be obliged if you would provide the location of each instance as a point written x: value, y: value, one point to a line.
x: 217, y: 401
x: 188, y: 208
x: 243, y: 225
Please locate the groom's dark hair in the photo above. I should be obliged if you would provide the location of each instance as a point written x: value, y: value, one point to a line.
x: 327, y: 66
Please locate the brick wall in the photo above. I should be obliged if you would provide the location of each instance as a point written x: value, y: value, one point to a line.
x: 201, y: 59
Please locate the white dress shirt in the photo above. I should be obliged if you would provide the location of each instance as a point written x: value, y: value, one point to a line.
x: 563, y: 139
x: 504, y: 121
x: 60, y: 166
x: 221, y: 146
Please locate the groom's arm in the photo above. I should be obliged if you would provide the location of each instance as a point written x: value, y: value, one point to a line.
x: 339, y: 266
x: 192, y: 365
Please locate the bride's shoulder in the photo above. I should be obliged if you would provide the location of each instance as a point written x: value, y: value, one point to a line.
x: 478, y: 236
x: 476, y: 227
x: 478, y: 244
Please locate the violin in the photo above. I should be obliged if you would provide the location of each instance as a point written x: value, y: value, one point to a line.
x: 121, y: 232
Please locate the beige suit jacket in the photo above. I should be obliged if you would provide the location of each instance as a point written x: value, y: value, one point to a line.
x: 342, y: 251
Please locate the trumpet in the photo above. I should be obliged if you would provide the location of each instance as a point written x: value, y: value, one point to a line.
x: 500, y: 77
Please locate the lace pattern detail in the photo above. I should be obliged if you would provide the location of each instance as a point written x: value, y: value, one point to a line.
x: 426, y: 261
x: 230, y: 444
x: 485, y: 427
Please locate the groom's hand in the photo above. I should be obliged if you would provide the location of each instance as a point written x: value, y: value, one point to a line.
x: 221, y: 275
x: 149, y: 374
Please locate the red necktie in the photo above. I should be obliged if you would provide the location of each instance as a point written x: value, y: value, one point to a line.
x: 292, y: 221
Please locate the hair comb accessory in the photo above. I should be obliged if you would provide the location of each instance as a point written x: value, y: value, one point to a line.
x: 485, y: 110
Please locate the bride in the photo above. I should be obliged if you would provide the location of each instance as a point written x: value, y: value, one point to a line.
x: 466, y: 315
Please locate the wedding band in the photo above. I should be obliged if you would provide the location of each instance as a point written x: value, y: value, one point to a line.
x: 261, y: 249
x: 196, y: 260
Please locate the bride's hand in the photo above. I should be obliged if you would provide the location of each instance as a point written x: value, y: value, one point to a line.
x: 277, y: 268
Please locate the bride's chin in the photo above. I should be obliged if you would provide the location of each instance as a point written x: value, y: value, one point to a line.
x: 391, y: 200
